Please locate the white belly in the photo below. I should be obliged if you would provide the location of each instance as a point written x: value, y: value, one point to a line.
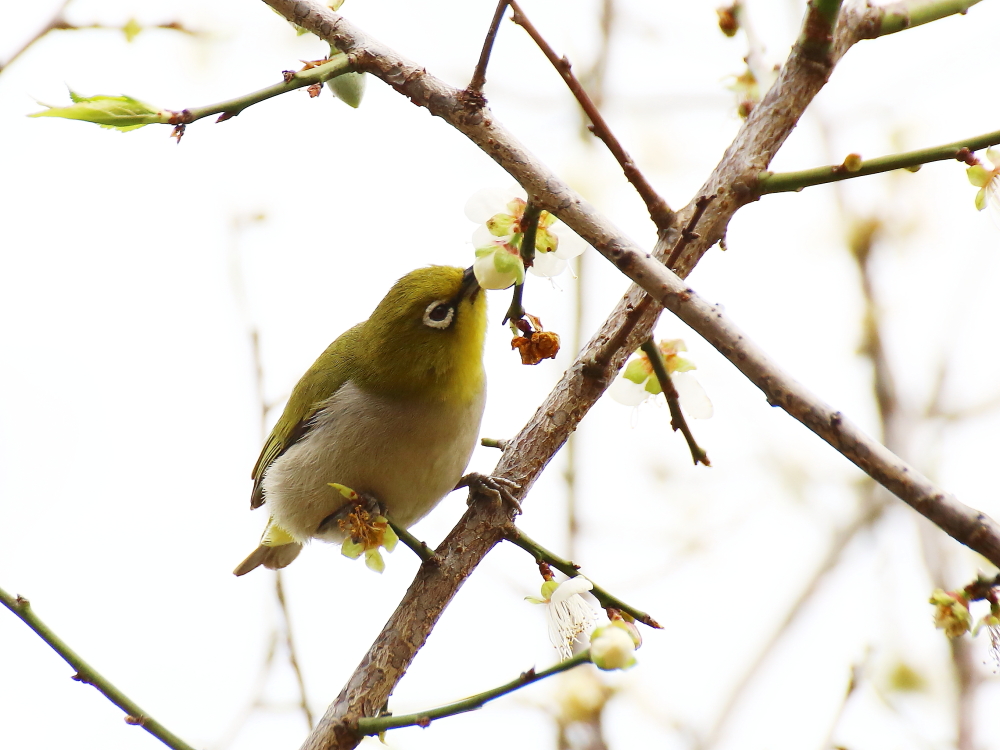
x: 407, y: 456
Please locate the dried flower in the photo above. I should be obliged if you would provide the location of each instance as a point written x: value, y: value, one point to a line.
x: 951, y: 612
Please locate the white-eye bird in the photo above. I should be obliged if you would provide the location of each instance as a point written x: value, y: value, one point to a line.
x: 391, y: 410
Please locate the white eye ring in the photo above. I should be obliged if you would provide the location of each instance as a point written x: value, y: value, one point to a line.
x: 432, y: 322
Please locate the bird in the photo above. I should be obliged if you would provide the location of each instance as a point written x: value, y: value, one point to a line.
x: 391, y: 409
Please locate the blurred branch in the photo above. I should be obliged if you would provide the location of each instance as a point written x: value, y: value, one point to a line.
x: 290, y: 645
x: 379, y: 724
x: 835, y: 551
x: 594, y: 79
x: 658, y: 209
x: 90, y: 676
x: 522, y: 540
x: 677, y: 420
x: 58, y: 22
x: 238, y: 225
x: 781, y: 182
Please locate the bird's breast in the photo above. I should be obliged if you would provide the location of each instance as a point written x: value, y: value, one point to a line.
x: 408, y: 454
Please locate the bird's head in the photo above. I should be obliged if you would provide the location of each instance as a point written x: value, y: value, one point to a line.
x: 425, y: 338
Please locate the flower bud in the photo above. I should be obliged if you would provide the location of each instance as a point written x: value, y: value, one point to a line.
x: 612, y: 647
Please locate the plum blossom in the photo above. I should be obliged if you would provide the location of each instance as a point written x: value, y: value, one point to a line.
x: 987, y: 180
x: 568, y: 613
x: 498, y: 239
x: 637, y: 382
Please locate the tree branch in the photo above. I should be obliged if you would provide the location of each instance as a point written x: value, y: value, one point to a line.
x: 630, y: 323
x: 677, y: 420
x: 782, y: 182
x: 567, y: 567
x: 90, y: 676
x: 378, y: 724
x: 659, y: 211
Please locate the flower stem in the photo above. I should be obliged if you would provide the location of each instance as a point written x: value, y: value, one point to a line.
x: 677, y: 420
x: 529, y: 229
x: 420, y: 549
x: 541, y: 554
x: 378, y: 724
x: 90, y: 676
x: 783, y: 182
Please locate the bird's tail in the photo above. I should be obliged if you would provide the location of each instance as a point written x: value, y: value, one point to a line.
x: 269, y: 557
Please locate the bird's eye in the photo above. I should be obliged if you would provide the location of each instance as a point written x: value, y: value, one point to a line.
x: 439, y: 314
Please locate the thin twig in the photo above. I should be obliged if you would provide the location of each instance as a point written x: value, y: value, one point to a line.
x: 479, y: 76
x: 420, y: 549
x: 782, y: 182
x: 688, y: 234
x: 494, y: 443
x: 529, y: 231
x: 522, y: 540
x: 379, y: 724
x: 677, y: 420
x: 658, y: 209
x: 90, y: 676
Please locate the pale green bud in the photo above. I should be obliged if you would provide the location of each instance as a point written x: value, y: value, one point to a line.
x: 349, y: 88
x: 612, y: 647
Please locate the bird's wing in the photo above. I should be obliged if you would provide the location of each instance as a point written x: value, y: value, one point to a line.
x: 326, y: 376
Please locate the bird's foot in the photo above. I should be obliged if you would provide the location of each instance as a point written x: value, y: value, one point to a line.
x: 497, y: 488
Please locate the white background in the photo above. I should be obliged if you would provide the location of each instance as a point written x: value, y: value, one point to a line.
x: 131, y: 273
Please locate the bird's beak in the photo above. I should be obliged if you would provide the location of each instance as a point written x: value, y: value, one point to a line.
x: 470, y: 287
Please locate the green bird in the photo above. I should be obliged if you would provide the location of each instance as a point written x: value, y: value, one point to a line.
x: 391, y: 409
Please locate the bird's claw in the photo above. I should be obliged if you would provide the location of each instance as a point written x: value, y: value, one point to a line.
x: 497, y: 488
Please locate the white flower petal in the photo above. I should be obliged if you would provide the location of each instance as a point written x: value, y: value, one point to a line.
x: 570, y: 243
x: 575, y: 585
x: 624, y: 391
x: 489, y: 277
x: 485, y: 203
x: 482, y: 237
x: 569, y: 615
x: 547, y: 265
x: 692, y: 397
